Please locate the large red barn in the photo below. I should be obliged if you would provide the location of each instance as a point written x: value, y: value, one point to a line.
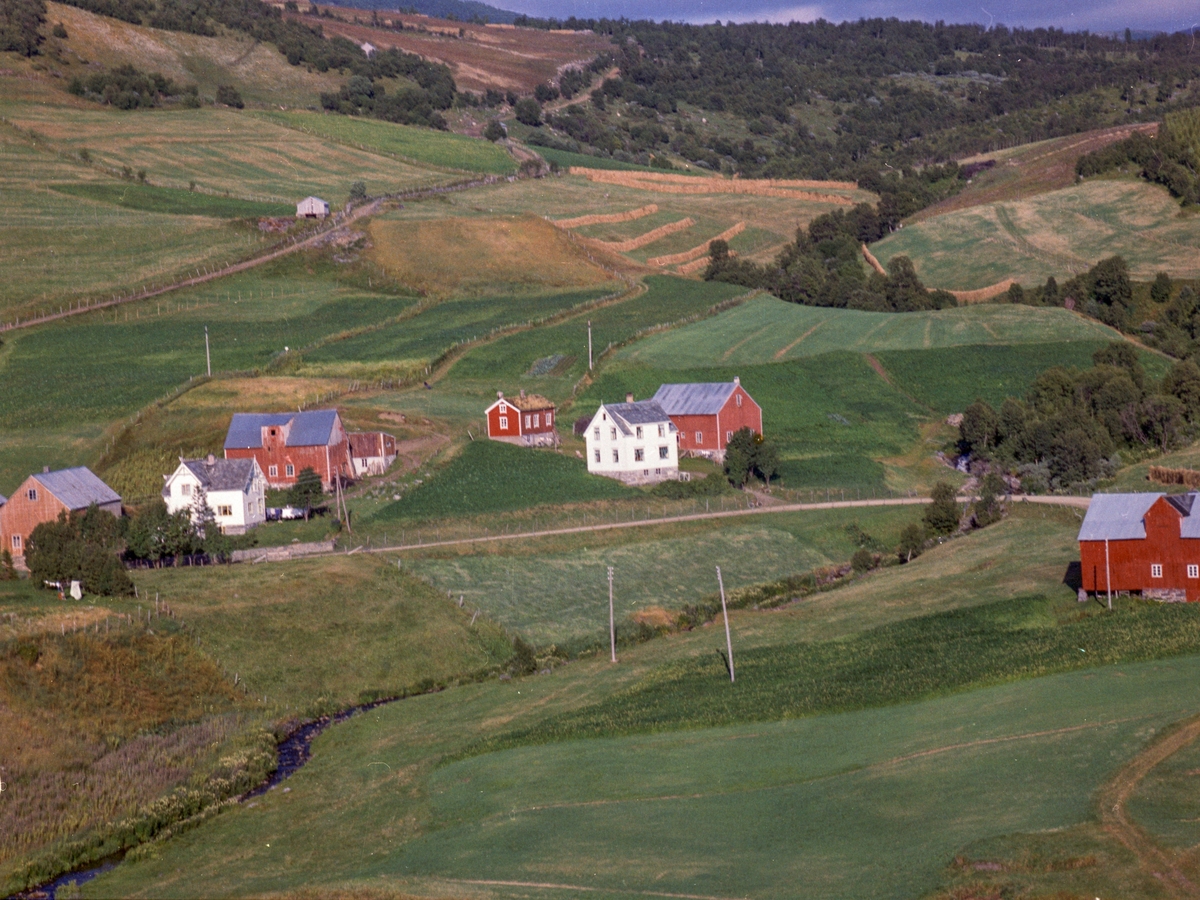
x: 708, y: 414
x: 1145, y: 543
x: 285, y: 444
x: 527, y: 420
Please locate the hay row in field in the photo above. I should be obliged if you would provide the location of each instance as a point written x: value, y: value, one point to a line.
x: 982, y: 294
x: 670, y: 178
x: 698, y: 250
x: 1186, y: 477
x: 649, y: 237
x: 608, y: 218
x: 697, y: 265
x: 872, y: 261
x: 647, y: 181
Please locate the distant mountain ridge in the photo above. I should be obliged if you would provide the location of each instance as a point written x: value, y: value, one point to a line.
x: 463, y: 10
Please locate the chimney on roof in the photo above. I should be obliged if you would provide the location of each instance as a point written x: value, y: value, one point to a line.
x: 211, y: 460
x: 629, y: 397
x: 522, y: 393
x: 737, y: 380
x: 499, y: 395
x: 45, y: 470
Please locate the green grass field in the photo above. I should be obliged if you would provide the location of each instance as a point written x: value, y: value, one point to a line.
x: 834, y: 405
x: 1060, y: 233
x: 421, y: 145
x: 147, y: 198
x: 770, y: 330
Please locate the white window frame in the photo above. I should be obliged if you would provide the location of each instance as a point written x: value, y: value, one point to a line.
x: 612, y: 434
x: 1193, y: 570
x: 639, y: 454
x: 185, y: 489
x: 597, y: 454
x: 528, y: 419
x: 289, y: 470
x: 1156, y: 570
x: 549, y: 419
x: 616, y: 455
x: 504, y: 423
x: 226, y: 511
x: 728, y: 436
x: 31, y: 494
x: 662, y: 430
x: 273, y: 471
x: 664, y: 452
x: 16, y: 542
x: 739, y: 399
x: 638, y: 432
x: 699, y: 438
x: 596, y: 433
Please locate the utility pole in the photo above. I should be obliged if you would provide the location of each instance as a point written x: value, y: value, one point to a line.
x: 725, y: 613
x: 612, y: 627
x: 207, y: 355
x: 589, y: 345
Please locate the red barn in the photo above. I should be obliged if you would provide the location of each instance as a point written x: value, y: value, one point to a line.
x: 527, y: 420
x: 1148, y: 543
x: 40, y: 498
x: 285, y: 444
x: 707, y: 415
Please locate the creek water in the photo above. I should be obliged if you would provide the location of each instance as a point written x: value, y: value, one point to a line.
x: 292, y: 752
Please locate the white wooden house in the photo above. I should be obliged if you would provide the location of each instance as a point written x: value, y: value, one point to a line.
x: 235, y: 490
x: 634, y: 442
x: 312, y: 208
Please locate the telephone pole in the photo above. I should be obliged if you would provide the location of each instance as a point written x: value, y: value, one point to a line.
x: 612, y: 627
x: 207, y: 355
x: 725, y: 613
x: 589, y: 345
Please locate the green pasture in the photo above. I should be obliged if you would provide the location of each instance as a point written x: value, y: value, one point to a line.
x: 323, y: 634
x: 174, y: 201
x: 1060, y: 233
x: 489, y: 476
x: 559, y: 594
x: 834, y: 405
x: 439, y: 328
x: 549, y: 360
x: 421, y: 145
x: 769, y: 330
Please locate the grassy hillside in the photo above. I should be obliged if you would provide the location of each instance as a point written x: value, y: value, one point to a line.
x: 1060, y: 233
x: 768, y: 330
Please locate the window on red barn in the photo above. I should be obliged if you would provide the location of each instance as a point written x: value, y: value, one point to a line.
x: 273, y: 471
x: 504, y: 423
x: 290, y: 470
x: 1156, y: 570
x: 699, y: 437
x: 32, y: 493
x: 1193, y: 571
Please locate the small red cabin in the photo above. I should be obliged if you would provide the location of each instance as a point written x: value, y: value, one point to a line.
x: 708, y: 414
x: 1145, y: 543
x: 527, y: 420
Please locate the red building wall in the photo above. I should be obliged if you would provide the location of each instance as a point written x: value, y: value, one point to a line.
x: 715, y: 429
x: 1130, y: 561
x: 326, y: 460
x: 20, y: 515
x: 515, y: 421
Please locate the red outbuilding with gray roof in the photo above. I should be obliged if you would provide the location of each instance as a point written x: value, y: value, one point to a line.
x: 708, y: 414
x: 41, y: 498
x: 1145, y: 543
x: 285, y: 444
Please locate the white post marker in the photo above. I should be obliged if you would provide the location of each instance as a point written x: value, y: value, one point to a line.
x: 725, y: 613
x: 207, y: 355
x: 612, y: 628
x: 589, y: 345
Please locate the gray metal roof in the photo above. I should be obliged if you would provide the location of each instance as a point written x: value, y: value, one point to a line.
x: 3, y: 499
x: 309, y: 429
x: 222, y: 474
x: 1116, y: 517
x: 640, y: 412
x: 701, y: 399
x: 77, y: 488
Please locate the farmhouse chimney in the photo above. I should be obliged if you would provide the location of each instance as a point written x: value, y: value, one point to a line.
x: 499, y: 395
x: 737, y: 379
x: 211, y: 460
x: 45, y: 470
x: 522, y: 393
x: 629, y: 397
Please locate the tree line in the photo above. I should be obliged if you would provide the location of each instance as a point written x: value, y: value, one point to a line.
x: 1170, y: 158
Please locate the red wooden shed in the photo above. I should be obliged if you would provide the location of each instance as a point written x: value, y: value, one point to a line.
x: 707, y: 415
x: 527, y: 419
x: 1145, y: 543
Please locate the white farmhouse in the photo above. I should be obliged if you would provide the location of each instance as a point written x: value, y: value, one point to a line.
x: 235, y: 488
x: 633, y: 442
x: 312, y: 208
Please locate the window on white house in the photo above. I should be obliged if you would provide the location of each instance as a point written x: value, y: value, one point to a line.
x: 596, y: 433
x: 613, y: 433
x: 662, y: 430
x: 273, y: 471
x: 1156, y: 570
x: 645, y: 471
x: 639, y: 454
x: 504, y: 423
x: 289, y: 470
x: 699, y: 437
x: 639, y: 432
x: 658, y: 471
x: 616, y: 455
x: 597, y: 454
x: 224, y: 510
x: 16, y: 542
x: 664, y: 452
x: 1193, y: 571
x: 31, y: 493
x: 185, y: 490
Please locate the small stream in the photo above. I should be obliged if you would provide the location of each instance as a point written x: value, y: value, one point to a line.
x: 293, y: 752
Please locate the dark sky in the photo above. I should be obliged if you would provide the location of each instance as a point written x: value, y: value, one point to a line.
x: 1072, y: 15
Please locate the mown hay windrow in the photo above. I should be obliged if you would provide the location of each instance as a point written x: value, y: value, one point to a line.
x: 668, y: 177
x: 694, y: 266
x: 872, y: 261
x: 649, y: 237
x: 648, y: 181
x: 983, y: 294
x: 1186, y: 477
x: 697, y: 251
x: 608, y: 218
